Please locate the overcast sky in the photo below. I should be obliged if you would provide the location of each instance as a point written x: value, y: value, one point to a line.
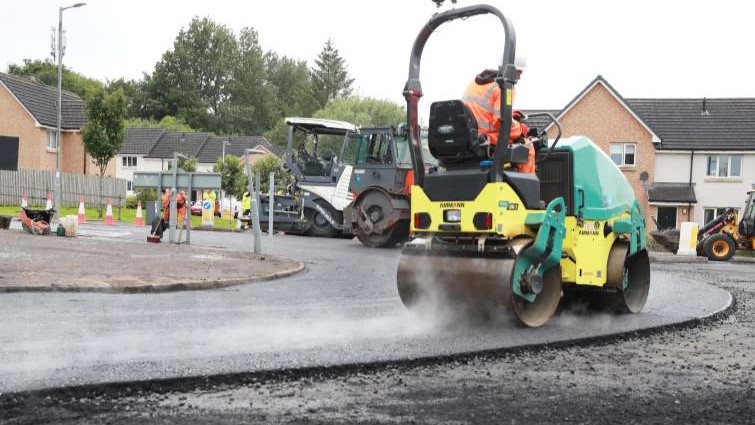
x: 643, y: 48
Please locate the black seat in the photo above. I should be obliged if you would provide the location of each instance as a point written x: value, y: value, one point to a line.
x: 452, y: 137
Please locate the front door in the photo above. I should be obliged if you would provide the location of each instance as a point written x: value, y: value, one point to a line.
x: 8, y: 153
x: 666, y: 218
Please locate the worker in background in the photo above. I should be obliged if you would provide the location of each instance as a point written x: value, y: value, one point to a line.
x: 159, y: 224
x: 181, y: 208
x: 483, y: 98
x: 246, y: 204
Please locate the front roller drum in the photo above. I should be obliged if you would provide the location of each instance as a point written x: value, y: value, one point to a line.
x: 472, y: 286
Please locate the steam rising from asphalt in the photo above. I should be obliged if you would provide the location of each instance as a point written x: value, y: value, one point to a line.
x: 103, y: 340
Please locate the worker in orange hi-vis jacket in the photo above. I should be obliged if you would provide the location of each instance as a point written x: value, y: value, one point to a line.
x: 483, y: 98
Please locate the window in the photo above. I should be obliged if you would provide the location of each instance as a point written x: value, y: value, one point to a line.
x: 623, y: 154
x: 711, y: 213
x: 724, y: 166
x: 52, y: 140
x: 129, y: 161
x: 129, y: 185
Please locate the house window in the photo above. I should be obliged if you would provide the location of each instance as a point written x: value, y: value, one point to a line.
x: 52, y: 140
x: 724, y: 166
x: 129, y: 161
x: 129, y: 185
x: 711, y: 214
x: 623, y: 154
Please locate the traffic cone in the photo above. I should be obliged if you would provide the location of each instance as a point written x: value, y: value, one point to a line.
x: 109, y: 212
x: 24, y: 200
x: 48, y: 205
x: 82, y: 212
x: 139, y: 221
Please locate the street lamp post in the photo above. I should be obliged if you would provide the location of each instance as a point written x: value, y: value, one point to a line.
x: 222, y: 192
x: 225, y: 143
x: 58, y: 143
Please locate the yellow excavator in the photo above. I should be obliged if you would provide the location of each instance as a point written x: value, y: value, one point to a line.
x: 488, y: 240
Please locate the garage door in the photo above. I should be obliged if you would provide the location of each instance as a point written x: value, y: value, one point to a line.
x: 8, y: 153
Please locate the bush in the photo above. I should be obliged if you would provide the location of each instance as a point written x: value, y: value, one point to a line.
x: 143, y: 195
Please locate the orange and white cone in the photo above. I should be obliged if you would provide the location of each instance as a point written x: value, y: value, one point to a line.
x: 24, y: 200
x: 139, y: 220
x: 48, y: 204
x: 82, y: 211
x: 109, y: 212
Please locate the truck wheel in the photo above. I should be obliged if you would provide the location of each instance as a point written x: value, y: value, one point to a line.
x: 319, y: 225
x: 719, y: 247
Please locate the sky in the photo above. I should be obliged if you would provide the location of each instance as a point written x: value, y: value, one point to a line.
x: 666, y: 49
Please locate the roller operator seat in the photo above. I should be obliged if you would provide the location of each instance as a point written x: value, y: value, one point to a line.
x: 454, y: 141
x: 453, y: 136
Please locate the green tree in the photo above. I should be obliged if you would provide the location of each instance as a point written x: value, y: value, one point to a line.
x: 104, y: 132
x: 47, y: 73
x: 364, y: 111
x: 250, y: 106
x: 232, y: 176
x: 292, y: 83
x: 278, y: 135
x: 188, y: 164
x: 168, y: 123
x: 271, y: 164
x: 330, y: 78
x: 190, y: 80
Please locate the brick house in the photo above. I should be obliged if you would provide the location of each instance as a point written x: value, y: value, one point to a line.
x: 601, y: 114
x: 687, y: 159
x: 28, y: 128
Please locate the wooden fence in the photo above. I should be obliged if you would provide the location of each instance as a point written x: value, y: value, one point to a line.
x: 36, y: 184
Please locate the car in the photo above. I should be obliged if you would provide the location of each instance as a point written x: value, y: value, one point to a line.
x: 196, y: 208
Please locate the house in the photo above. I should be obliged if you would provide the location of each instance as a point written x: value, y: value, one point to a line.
x: 151, y: 150
x: 686, y: 159
x: 28, y: 128
x: 706, y: 154
x: 218, y: 146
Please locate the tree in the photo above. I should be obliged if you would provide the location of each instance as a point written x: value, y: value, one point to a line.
x: 232, y: 176
x: 190, y: 80
x: 364, y: 111
x: 271, y: 164
x: 292, y: 84
x: 104, y: 132
x: 168, y: 123
x: 330, y: 78
x: 47, y: 72
x: 250, y: 106
x: 188, y: 164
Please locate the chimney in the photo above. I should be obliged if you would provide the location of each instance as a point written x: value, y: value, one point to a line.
x: 705, y: 111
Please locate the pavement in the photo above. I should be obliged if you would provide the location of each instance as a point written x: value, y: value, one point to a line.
x: 343, y: 310
x: 100, y: 259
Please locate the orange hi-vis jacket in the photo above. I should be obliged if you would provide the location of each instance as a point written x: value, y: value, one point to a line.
x: 484, y: 100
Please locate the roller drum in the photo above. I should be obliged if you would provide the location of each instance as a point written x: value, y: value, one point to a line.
x: 474, y: 286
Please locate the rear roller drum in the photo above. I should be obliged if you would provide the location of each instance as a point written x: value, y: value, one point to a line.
x: 632, y: 283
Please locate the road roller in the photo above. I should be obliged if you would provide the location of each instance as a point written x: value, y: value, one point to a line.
x: 490, y: 241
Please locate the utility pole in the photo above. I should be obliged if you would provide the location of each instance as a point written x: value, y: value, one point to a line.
x: 58, y: 143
